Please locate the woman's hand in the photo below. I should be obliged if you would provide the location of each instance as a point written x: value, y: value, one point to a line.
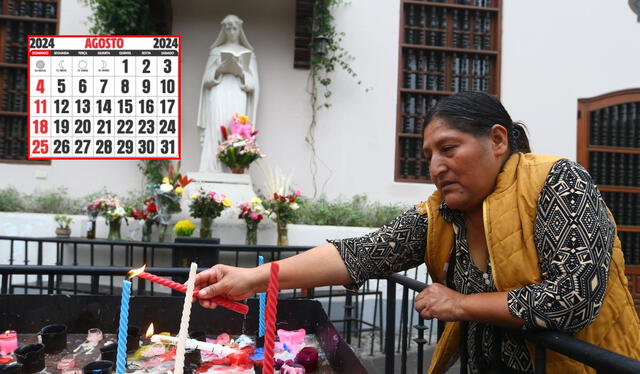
x: 441, y: 302
x: 227, y: 281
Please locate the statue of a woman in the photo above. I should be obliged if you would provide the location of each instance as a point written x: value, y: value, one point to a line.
x: 229, y: 86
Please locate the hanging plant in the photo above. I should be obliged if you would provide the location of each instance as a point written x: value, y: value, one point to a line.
x: 327, y: 54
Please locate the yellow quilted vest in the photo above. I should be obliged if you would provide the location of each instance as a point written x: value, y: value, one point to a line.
x: 509, y: 218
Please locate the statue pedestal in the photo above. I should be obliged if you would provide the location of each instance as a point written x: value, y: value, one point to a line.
x: 237, y: 187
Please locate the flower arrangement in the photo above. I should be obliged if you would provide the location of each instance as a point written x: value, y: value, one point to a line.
x: 252, y: 212
x: 238, y: 148
x: 207, y: 205
x: 167, y: 197
x: 184, y: 228
x: 112, y: 210
x: 282, y: 209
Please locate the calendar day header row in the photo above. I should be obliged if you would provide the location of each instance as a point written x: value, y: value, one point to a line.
x: 122, y: 53
x: 92, y: 42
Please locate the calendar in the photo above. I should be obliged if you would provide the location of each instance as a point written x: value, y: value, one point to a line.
x: 104, y: 97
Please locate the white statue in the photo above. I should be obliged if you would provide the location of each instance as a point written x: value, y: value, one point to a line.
x: 229, y: 86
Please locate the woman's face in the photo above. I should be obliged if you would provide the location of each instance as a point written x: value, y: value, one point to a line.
x: 233, y: 32
x: 463, y: 166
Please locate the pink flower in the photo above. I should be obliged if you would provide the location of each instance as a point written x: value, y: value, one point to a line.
x: 240, y: 128
x: 298, y: 192
x: 253, y: 216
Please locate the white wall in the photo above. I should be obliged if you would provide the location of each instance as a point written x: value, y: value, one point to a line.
x: 553, y: 53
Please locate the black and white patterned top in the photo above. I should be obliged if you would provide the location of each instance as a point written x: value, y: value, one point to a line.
x: 574, y: 237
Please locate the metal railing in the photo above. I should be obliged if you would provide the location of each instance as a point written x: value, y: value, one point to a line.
x: 603, y: 360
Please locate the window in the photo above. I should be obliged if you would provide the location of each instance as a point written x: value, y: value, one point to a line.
x: 446, y: 46
x: 609, y: 147
x: 17, y: 20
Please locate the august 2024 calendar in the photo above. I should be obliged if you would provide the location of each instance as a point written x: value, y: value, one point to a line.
x: 104, y: 97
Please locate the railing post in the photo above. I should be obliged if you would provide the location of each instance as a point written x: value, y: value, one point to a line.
x: 390, y: 328
x: 348, y: 314
x: 421, y: 341
x: 405, y: 328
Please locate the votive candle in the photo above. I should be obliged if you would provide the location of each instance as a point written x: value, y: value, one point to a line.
x: 8, y: 342
x: 121, y: 358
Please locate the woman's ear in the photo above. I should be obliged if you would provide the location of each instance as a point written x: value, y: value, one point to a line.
x: 499, y: 139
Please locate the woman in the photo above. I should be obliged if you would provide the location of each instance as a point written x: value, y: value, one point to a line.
x: 512, y: 240
x: 229, y: 86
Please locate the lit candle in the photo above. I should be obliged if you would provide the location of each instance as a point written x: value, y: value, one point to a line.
x: 272, y: 307
x: 225, y: 303
x: 121, y: 358
x: 184, y: 321
x: 263, y: 299
x: 8, y: 342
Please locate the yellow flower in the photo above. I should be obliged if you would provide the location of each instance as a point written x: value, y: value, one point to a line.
x: 179, y: 190
x: 226, y: 202
x: 194, y: 196
x: 243, y: 119
x: 184, y: 228
x: 165, y: 180
x: 256, y: 200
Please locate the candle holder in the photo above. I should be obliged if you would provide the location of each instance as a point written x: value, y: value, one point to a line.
x: 14, y: 368
x: 31, y: 357
x: 198, y: 335
x: 54, y: 338
x: 109, y: 352
x: 8, y: 342
x: 98, y: 367
x: 133, y: 339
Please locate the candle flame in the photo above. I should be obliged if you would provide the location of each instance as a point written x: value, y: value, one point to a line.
x: 135, y: 272
x: 149, y: 331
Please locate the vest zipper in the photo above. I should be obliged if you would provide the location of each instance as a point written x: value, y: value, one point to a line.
x: 486, y: 238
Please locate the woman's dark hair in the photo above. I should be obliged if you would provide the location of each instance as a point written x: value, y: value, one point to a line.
x: 475, y: 113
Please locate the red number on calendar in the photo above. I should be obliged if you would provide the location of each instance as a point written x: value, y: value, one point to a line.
x: 41, y: 126
x: 41, y: 106
x: 40, y: 86
x: 40, y: 147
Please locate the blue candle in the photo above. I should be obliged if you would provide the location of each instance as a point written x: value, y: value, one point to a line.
x: 263, y: 301
x: 121, y: 359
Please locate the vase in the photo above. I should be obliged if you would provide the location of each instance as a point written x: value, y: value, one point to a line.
x: 147, y: 229
x: 237, y: 170
x: 205, y: 227
x: 162, y: 236
x: 114, y: 229
x: 91, y: 227
x: 283, y: 232
x: 252, y: 233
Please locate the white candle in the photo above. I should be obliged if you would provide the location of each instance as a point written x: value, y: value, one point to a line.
x: 184, y: 321
x: 218, y: 349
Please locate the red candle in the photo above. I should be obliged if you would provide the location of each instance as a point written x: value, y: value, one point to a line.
x: 226, y: 303
x: 270, y: 318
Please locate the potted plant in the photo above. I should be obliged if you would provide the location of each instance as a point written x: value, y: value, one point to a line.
x: 63, y: 230
x: 238, y: 148
x: 167, y: 197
